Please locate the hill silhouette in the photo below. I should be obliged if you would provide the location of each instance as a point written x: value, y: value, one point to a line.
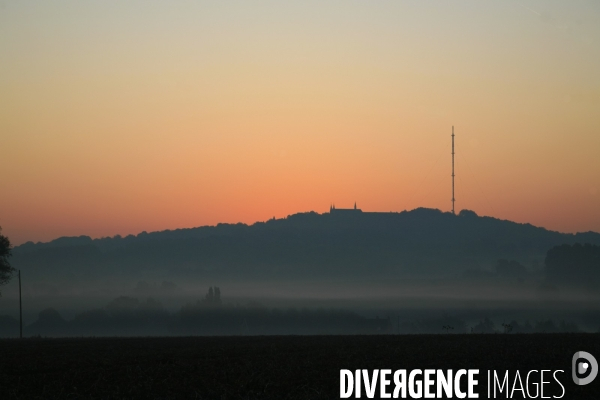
x: 422, y: 242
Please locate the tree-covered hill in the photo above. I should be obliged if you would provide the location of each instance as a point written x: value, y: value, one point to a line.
x: 421, y: 242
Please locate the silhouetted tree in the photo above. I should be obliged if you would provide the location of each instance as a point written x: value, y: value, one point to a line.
x: 467, y: 213
x: 213, y: 297
x: 150, y: 305
x: 49, y: 323
x: 122, y: 305
x: 510, y: 269
x: 168, y: 286
x: 210, y: 296
x: 6, y: 270
x: 485, y: 326
x: 143, y: 287
x: 574, y: 265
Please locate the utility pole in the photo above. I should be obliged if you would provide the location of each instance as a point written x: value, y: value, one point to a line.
x: 20, y: 310
x: 453, y: 170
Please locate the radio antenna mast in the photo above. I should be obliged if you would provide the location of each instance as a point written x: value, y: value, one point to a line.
x: 453, y: 170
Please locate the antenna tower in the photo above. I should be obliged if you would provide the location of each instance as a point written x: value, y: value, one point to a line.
x: 453, y: 170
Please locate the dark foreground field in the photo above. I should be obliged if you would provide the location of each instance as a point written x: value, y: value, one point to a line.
x: 268, y: 367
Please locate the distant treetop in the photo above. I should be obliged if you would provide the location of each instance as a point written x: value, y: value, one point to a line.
x: 467, y: 213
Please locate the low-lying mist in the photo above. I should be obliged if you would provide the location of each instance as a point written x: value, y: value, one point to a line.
x: 147, y: 307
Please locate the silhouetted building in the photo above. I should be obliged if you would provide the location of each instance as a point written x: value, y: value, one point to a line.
x: 344, y: 211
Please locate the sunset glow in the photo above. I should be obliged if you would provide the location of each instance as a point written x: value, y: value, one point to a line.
x: 122, y: 117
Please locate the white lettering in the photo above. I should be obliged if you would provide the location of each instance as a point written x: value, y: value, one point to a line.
x: 535, y: 384
x: 562, y: 387
x: 346, y: 377
x: 429, y: 383
x: 400, y: 382
x: 521, y: 389
x: 443, y: 383
x: 542, y: 384
x: 412, y: 384
x: 472, y: 383
x: 370, y: 385
x: 504, y: 383
x: 459, y: 394
x: 384, y: 382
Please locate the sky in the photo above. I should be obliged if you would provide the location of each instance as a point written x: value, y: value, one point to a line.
x: 121, y: 117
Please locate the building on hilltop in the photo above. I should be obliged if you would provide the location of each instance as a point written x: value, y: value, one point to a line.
x: 344, y: 211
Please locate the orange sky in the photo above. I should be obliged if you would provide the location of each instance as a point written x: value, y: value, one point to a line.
x: 117, y: 118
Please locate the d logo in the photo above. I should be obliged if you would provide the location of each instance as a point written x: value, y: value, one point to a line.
x: 582, y: 363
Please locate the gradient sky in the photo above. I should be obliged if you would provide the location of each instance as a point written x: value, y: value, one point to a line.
x: 119, y: 117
